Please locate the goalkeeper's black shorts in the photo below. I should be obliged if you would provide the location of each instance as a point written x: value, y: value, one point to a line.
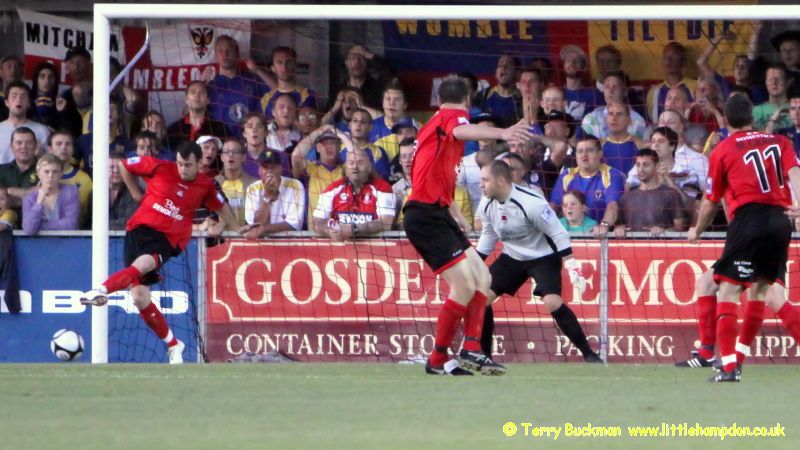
x: 509, y: 274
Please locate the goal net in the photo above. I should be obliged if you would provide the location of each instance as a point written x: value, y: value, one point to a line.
x: 310, y: 298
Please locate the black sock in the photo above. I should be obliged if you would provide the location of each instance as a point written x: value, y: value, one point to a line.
x: 566, y: 320
x: 488, y: 330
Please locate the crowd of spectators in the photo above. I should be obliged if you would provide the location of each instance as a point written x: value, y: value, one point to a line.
x: 610, y: 156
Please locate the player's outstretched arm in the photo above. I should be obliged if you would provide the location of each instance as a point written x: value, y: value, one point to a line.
x: 519, y: 132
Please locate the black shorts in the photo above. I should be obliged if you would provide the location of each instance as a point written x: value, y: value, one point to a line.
x: 144, y: 240
x: 508, y: 275
x: 756, y: 246
x: 435, y: 235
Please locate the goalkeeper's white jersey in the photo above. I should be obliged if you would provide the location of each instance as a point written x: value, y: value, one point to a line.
x: 525, y: 223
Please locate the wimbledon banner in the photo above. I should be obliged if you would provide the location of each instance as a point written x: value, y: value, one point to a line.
x: 47, y: 38
x: 179, y: 52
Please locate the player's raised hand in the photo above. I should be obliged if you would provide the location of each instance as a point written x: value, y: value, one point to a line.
x: 519, y: 132
x: 575, y: 274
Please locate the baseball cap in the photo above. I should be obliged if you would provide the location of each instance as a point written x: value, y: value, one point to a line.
x: 403, y: 123
x: 76, y: 51
x: 788, y: 35
x: 203, y: 139
x: 268, y: 157
x: 484, y: 117
x: 328, y: 134
x: 556, y: 115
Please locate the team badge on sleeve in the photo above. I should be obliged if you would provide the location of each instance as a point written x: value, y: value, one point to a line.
x: 133, y: 160
x: 708, y: 186
x: 546, y: 214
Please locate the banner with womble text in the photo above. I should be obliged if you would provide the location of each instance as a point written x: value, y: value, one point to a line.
x: 375, y: 300
x: 422, y: 51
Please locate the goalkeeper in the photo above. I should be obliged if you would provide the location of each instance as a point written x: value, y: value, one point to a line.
x: 534, y: 245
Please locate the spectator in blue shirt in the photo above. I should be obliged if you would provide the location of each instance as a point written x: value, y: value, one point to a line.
x: 84, y: 153
x: 360, y: 126
x: 619, y: 148
x: 602, y: 184
x: 234, y: 92
x: 503, y: 99
x: 348, y: 100
x: 580, y: 99
x: 742, y: 69
x: 284, y: 65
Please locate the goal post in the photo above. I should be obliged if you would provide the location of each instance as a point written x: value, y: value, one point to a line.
x: 100, y: 241
x: 105, y: 13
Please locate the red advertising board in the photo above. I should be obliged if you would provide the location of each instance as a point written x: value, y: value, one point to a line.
x: 375, y: 300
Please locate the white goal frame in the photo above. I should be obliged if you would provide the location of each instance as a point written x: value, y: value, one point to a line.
x: 104, y: 13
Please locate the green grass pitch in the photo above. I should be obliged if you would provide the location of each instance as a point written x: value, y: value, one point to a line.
x: 378, y: 406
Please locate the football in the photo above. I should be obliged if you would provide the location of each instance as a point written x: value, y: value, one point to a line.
x: 66, y: 345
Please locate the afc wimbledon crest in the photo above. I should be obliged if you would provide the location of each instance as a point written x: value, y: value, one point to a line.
x: 202, y: 38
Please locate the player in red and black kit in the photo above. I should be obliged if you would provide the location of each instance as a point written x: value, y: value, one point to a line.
x: 160, y: 229
x: 752, y: 171
x: 435, y: 227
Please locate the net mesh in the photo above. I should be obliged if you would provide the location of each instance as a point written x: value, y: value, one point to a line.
x: 373, y: 299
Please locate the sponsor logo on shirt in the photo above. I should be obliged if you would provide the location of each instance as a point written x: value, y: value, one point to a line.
x: 355, y: 218
x: 169, y: 210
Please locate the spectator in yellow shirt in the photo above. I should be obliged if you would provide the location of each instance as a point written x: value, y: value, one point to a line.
x: 62, y: 145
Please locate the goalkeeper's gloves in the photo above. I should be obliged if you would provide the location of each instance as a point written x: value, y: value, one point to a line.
x: 575, y: 274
